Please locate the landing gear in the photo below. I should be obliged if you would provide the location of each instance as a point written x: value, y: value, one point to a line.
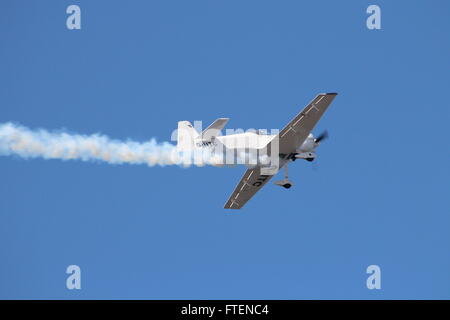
x: 285, y: 183
x: 308, y: 156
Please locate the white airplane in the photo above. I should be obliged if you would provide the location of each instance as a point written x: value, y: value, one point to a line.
x: 294, y: 141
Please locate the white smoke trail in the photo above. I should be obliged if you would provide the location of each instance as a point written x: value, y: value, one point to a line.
x: 23, y: 142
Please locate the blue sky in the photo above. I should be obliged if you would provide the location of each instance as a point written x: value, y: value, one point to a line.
x: 379, y: 194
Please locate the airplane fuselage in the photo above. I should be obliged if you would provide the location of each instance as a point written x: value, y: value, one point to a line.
x: 239, y: 148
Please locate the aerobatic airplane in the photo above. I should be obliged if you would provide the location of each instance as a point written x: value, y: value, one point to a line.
x: 294, y: 141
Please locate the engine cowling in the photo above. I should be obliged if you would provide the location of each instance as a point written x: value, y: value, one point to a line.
x: 308, y: 145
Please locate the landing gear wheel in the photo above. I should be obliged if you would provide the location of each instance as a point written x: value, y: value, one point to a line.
x: 285, y: 183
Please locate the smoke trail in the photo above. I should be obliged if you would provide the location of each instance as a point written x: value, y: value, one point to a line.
x: 23, y: 142
x: 16, y: 140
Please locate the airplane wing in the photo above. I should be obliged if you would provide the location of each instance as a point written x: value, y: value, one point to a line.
x: 250, y: 183
x: 290, y: 139
x: 295, y: 132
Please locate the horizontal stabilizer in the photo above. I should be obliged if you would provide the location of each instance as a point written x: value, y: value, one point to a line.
x: 214, y: 129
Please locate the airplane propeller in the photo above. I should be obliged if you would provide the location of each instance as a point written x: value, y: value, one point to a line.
x: 322, y: 136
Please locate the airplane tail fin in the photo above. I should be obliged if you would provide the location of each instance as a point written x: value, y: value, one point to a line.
x: 186, y: 136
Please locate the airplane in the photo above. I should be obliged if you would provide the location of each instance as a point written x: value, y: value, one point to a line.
x: 294, y: 141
